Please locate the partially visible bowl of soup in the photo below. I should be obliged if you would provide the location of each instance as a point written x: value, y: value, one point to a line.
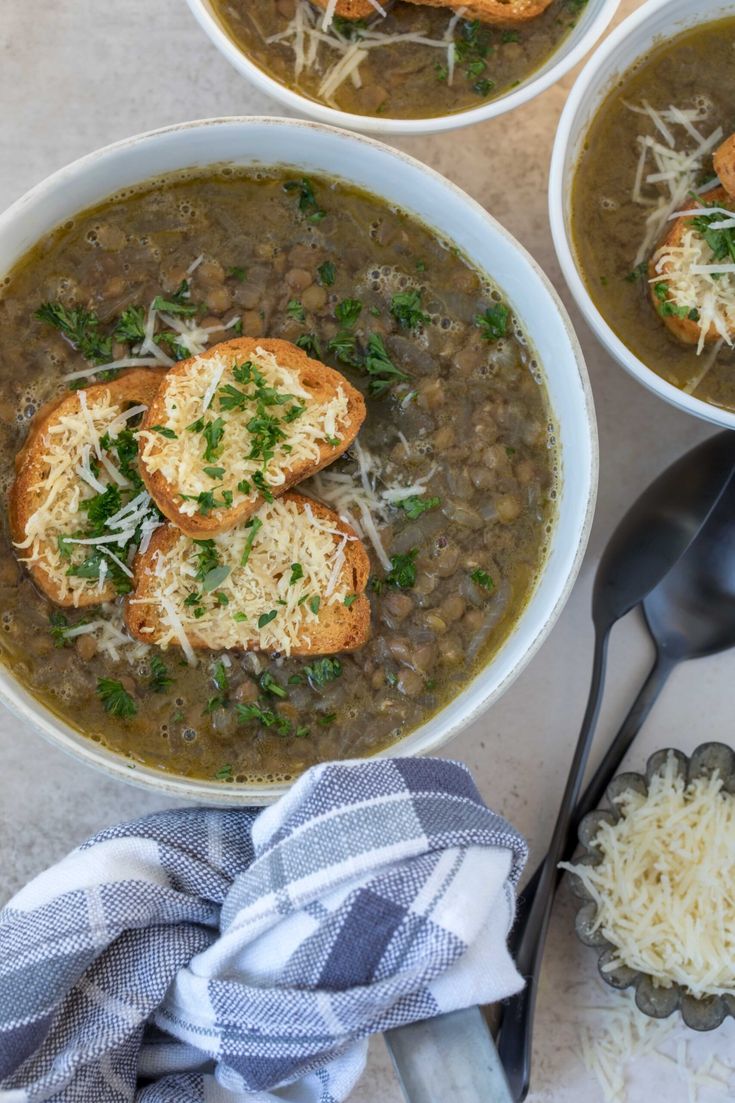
x: 471, y: 482
x: 633, y: 181
x: 406, y: 68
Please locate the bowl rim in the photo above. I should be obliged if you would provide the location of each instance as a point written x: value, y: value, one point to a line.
x: 560, y: 192
x: 57, y: 731
x: 533, y: 86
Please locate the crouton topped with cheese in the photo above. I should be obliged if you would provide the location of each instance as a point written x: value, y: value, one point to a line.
x: 290, y: 580
x: 77, y: 505
x: 237, y: 426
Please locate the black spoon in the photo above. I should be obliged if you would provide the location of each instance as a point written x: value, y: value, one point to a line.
x: 649, y: 541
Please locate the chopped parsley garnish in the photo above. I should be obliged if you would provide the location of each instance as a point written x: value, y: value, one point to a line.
x: 269, y: 685
x: 350, y: 600
x: 81, y: 329
x: 230, y: 398
x: 302, y: 732
x: 295, y: 310
x: 668, y: 309
x: 307, y: 200
x: 382, y: 371
x: 415, y: 506
x: 309, y: 342
x: 721, y: 242
x: 196, y: 426
x: 343, y: 346
x: 131, y: 326
x: 101, y: 507
x: 482, y: 578
x: 177, y: 303
x: 264, y: 715
x: 159, y: 678
x: 326, y: 719
x: 326, y: 273
x: 215, y: 473
x: 314, y: 603
x: 261, y: 484
x: 237, y: 273
x: 493, y: 323
x: 239, y: 617
x: 207, y: 557
x: 322, y: 671
x: 638, y: 272
x: 406, y: 309
x: 214, y: 578
x: 222, y: 684
x: 125, y: 444
x: 115, y: 698
x: 254, y: 524
x: 266, y: 618
x: 224, y: 773
x: 513, y: 36
x: 244, y: 486
x: 297, y: 572
x: 58, y: 627
x: 164, y: 432
x: 213, y: 432
x: 347, y: 312
x: 207, y: 501
x: 402, y: 575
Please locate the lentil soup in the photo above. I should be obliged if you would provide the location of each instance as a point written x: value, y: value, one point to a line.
x: 417, y: 62
x: 450, y: 484
x: 685, y: 88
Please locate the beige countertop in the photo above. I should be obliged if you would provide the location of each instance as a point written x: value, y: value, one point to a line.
x: 77, y: 74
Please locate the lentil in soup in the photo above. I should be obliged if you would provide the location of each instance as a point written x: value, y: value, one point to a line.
x: 457, y: 411
x: 647, y: 154
x: 432, y: 63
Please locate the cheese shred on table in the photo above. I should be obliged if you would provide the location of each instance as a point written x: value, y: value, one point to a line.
x: 665, y: 888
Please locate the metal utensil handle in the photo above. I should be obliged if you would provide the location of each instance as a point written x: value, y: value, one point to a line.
x: 447, y: 1059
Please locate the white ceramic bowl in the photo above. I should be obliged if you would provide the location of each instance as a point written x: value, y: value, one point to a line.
x: 313, y: 148
x: 594, y: 18
x: 647, y: 27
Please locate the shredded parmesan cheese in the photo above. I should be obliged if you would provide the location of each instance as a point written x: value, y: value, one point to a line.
x: 180, y: 459
x: 666, y: 172
x: 693, y: 280
x: 260, y: 587
x: 312, y: 39
x: 664, y: 887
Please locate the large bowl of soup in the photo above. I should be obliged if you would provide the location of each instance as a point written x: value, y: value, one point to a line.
x: 407, y: 68
x: 478, y: 470
x: 633, y: 157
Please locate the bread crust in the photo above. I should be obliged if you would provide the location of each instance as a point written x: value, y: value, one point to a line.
x: 350, y: 9
x: 315, y: 376
x: 724, y: 165
x: 340, y: 628
x: 137, y: 385
x: 684, y: 329
x: 496, y: 12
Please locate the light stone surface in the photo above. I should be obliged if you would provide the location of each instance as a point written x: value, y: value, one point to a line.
x: 77, y: 74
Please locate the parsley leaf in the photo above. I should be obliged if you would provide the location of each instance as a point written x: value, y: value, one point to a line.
x: 254, y: 524
x: 402, y: 575
x: 131, y: 325
x: 381, y: 369
x: 493, y: 324
x: 322, y: 671
x: 81, y: 329
x: 213, y: 432
x: 482, y: 578
x: 415, y: 506
x: 115, y: 698
x: 307, y: 200
x: 326, y: 273
x: 159, y: 678
x: 347, y: 312
x: 164, y: 431
x: 297, y: 572
x: 269, y: 685
x: 295, y: 310
x: 406, y: 309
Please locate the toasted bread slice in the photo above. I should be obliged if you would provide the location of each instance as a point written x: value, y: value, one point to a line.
x: 502, y: 13
x: 44, y: 501
x: 724, y: 165
x: 222, y: 452
x: 670, y: 283
x: 290, y: 580
x: 350, y: 9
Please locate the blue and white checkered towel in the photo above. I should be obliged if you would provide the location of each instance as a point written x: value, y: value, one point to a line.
x: 203, y: 956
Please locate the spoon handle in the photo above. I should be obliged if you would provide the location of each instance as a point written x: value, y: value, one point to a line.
x: 603, y: 775
x: 514, y: 1045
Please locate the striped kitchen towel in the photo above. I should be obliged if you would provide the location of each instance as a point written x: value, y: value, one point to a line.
x: 206, y: 956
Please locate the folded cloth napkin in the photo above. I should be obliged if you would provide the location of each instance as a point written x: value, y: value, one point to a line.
x: 206, y: 956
